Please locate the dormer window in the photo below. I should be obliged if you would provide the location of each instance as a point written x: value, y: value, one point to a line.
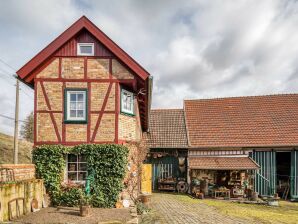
x: 127, y: 99
x: 85, y: 49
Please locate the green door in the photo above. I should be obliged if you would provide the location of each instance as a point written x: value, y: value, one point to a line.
x: 265, y: 177
x: 294, y: 174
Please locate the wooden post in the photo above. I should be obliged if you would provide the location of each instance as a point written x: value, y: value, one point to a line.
x: 16, y: 125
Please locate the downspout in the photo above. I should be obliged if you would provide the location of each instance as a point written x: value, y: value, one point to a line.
x: 150, y: 87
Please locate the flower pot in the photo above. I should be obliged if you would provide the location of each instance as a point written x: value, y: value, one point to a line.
x: 145, y: 198
x: 84, y: 210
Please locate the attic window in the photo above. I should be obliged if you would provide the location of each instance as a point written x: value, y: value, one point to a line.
x: 86, y: 49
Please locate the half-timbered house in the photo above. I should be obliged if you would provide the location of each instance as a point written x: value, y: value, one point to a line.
x: 87, y: 90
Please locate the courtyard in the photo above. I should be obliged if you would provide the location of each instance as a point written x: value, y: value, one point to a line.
x: 176, y: 209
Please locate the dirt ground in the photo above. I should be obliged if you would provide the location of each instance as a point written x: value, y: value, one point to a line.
x: 71, y: 215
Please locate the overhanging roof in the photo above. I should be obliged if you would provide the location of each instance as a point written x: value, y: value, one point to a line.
x: 25, y: 72
x: 222, y: 163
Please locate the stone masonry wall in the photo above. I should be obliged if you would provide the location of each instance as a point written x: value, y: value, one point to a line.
x: 73, y: 68
x: 21, y: 171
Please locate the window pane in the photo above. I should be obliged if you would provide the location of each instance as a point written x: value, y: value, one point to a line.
x: 72, y: 158
x: 82, y: 166
x: 72, y: 106
x: 80, y: 106
x: 82, y: 176
x: 82, y: 158
x: 72, y: 176
x: 72, y: 113
x: 80, y: 97
x: 72, y: 167
x: 86, y: 49
x: 73, y: 97
x: 80, y: 113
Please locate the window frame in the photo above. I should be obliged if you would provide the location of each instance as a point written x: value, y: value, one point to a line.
x: 68, y: 120
x: 79, y: 53
x: 77, y: 172
x: 122, y: 110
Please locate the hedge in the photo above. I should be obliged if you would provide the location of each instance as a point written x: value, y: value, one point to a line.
x: 106, y: 165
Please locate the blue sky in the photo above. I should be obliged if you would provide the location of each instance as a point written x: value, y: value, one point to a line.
x: 198, y: 49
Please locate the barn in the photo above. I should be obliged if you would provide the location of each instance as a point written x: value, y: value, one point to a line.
x: 236, y: 145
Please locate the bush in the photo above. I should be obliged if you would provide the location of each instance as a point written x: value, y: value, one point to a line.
x: 142, y: 208
x: 106, y: 166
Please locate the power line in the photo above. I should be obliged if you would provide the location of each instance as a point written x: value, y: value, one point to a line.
x: 11, y: 118
x: 8, y: 65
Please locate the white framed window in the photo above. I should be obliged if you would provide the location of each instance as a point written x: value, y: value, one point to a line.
x: 76, y: 168
x: 75, y: 105
x: 86, y: 49
x: 127, y: 102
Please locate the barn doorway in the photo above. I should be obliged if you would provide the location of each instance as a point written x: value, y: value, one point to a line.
x: 283, y: 172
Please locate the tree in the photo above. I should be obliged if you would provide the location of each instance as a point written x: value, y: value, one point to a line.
x: 27, y: 128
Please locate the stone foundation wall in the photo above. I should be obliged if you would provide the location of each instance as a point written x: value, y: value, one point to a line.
x: 26, y: 191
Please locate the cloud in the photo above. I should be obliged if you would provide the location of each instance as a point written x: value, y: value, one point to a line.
x: 198, y: 49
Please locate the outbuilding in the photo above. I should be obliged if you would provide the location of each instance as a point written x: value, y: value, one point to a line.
x: 237, y: 145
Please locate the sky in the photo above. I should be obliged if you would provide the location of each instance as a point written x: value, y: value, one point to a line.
x: 198, y: 49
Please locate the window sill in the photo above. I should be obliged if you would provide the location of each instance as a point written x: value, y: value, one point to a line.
x: 127, y: 114
x: 75, y: 122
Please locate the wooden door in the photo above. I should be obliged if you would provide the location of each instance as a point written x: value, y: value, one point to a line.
x: 146, y: 186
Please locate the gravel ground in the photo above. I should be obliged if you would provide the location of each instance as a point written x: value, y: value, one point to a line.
x: 71, y: 215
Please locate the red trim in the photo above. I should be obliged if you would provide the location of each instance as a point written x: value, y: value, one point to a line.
x: 51, y: 114
x: 83, y: 22
x: 101, y: 114
x: 60, y: 68
x: 89, y: 112
x: 39, y: 69
x: 128, y: 81
x: 110, y: 69
x: 117, y: 111
x: 105, y: 112
x: 35, y: 114
x: 49, y: 111
x: 85, y: 67
x: 71, y: 143
x: 63, y: 124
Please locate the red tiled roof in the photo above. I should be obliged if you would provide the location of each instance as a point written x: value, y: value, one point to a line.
x: 222, y: 163
x: 167, y: 129
x: 243, y: 121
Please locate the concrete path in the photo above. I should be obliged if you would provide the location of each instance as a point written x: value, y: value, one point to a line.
x: 176, y: 209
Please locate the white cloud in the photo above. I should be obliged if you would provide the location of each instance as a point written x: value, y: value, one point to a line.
x: 195, y: 49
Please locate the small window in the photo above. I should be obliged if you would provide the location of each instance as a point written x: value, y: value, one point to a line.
x: 76, y: 106
x: 86, y: 49
x: 127, y: 99
x: 76, y: 168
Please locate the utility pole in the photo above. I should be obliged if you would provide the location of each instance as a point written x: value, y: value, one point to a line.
x: 16, y: 125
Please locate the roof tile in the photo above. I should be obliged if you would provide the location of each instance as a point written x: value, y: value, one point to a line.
x: 243, y: 121
x: 167, y: 129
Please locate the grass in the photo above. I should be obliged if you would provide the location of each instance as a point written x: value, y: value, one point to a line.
x: 287, y: 212
x: 6, y: 150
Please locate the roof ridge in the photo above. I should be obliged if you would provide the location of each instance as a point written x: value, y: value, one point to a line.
x: 241, y: 97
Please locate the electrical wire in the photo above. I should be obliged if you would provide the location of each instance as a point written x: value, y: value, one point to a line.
x: 11, y: 75
x: 11, y: 118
